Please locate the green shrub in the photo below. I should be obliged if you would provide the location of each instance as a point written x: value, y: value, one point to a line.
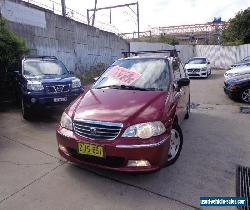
x: 12, y: 48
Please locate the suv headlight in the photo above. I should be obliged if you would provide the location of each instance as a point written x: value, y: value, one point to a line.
x: 204, y: 69
x: 145, y: 130
x: 34, y: 85
x: 66, y: 121
x: 76, y: 83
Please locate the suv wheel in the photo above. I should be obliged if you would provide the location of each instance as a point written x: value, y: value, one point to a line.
x: 175, y: 144
x: 245, y: 95
x: 26, y: 112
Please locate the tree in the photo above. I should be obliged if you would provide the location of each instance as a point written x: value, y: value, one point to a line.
x: 168, y: 39
x: 238, y: 30
x: 11, y: 49
x: 165, y: 38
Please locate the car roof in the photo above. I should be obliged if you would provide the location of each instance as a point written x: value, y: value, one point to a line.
x: 36, y: 57
x: 198, y: 58
x: 145, y: 57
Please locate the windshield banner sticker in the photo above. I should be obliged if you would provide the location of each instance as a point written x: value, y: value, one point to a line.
x: 123, y: 75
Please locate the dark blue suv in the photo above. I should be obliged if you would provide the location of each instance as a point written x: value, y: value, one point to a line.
x: 45, y: 81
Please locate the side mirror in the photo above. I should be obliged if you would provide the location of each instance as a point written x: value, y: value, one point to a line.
x: 183, y: 82
x: 208, y: 62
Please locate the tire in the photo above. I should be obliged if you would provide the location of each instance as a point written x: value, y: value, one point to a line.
x: 176, y: 141
x: 188, y: 109
x: 245, y: 95
x: 207, y: 75
x: 26, y: 112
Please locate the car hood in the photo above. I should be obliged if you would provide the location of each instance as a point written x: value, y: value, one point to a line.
x: 239, y: 79
x: 114, y: 105
x: 195, y: 66
x: 51, y: 78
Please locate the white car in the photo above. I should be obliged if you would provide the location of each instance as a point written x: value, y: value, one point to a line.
x: 237, y: 71
x: 198, y: 67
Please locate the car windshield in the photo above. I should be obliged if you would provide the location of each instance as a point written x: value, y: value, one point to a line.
x: 246, y: 59
x: 197, y: 61
x: 141, y: 74
x: 43, y: 67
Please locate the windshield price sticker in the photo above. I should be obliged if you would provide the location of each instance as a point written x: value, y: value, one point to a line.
x: 123, y: 75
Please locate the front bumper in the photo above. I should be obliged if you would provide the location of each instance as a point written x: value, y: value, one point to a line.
x: 231, y: 94
x: 34, y: 99
x: 117, y: 153
x: 197, y: 73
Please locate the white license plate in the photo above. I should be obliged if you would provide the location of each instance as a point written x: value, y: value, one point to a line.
x: 60, y: 99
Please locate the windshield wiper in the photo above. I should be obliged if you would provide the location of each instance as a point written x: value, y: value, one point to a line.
x: 128, y: 87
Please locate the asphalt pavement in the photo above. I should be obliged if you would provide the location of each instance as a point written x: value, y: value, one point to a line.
x: 216, y: 140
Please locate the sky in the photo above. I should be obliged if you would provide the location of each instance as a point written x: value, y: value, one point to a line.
x: 155, y: 13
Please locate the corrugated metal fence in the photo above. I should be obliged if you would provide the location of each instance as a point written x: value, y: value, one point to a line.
x: 222, y: 56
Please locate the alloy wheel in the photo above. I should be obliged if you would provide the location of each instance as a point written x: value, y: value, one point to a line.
x: 246, y: 95
x: 174, y: 144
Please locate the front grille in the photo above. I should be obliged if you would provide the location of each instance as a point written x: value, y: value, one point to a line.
x: 110, y: 161
x: 193, y: 70
x: 57, y: 88
x: 97, y: 130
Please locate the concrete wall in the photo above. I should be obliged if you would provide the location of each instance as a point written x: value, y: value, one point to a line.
x: 186, y: 51
x: 49, y: 34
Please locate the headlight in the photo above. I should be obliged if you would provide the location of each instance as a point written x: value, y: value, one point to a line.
x: 204, y: 69
x: 34, y: 85
x: 145, y: 130
x: 66, y: 121
x: 76, y: 83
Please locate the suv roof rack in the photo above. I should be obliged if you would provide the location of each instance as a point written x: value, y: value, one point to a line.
x: 40, y: 57
x: 173, y: 53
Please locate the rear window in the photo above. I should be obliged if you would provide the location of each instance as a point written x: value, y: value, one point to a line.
x: 197, y: 61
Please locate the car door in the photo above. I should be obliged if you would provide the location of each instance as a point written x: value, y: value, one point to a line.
x: 179, y: 93
x: 186, y: 90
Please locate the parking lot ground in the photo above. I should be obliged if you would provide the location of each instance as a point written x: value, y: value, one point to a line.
x: 216, y: 140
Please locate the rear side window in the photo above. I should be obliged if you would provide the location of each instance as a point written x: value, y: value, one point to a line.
x: 176, y: 69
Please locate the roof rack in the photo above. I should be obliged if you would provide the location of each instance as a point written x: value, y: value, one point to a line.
x: 173, y: 53
x: 40, y: 57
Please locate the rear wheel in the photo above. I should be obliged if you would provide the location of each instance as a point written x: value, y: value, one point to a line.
x: 26, y: 111
x: 175, y: 145
x: 245, y: 95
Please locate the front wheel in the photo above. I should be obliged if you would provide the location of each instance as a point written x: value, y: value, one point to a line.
x: 26, y: 112
x: 175, y: 147
x: 245, y: 95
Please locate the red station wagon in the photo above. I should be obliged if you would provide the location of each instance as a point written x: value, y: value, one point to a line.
x: 129, y: 120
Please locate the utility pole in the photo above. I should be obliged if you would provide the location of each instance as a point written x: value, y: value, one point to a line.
x: 138, y: 20
x: 63, y: 8
x: 113, y: 7
x: 93, y: 19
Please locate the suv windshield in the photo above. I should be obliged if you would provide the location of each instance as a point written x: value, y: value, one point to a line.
x: 197, y: 61
x: 43, y: 67
x: 140, y: 74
